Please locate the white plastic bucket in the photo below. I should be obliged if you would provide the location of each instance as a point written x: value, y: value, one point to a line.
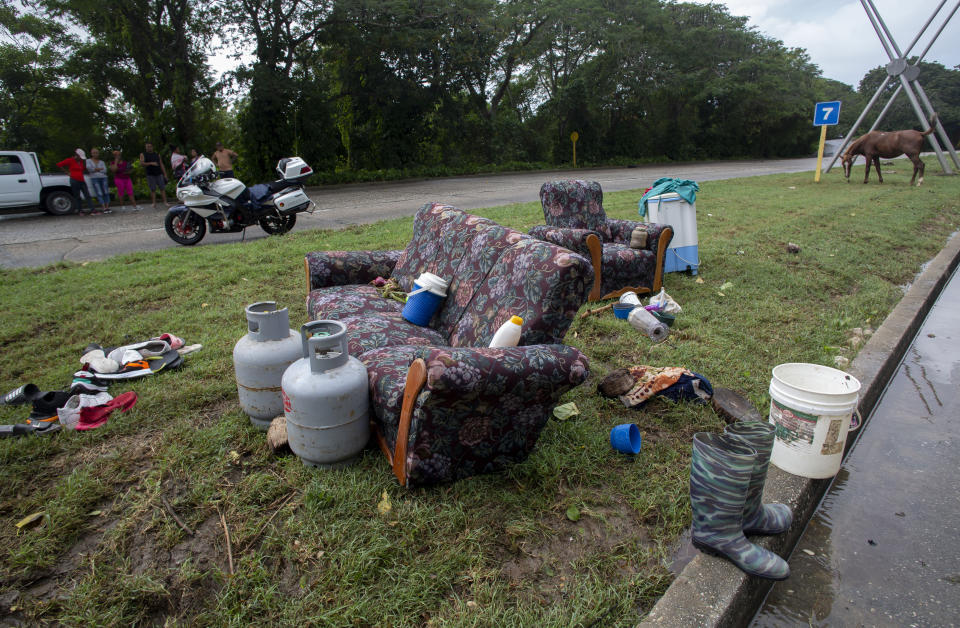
x: 810, y: 408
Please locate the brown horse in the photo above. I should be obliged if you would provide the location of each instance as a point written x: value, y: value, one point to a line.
x: 877, y: 144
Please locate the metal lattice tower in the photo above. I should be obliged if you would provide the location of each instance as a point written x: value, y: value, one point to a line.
x: 908, y: 75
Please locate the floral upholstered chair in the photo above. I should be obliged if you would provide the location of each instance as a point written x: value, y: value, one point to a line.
x: 445, y: 405
x: 626, y: 254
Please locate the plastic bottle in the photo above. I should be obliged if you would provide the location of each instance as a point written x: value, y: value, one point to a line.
x: 509, y: 333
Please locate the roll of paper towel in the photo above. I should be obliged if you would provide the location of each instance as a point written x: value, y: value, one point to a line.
x: 644, y: 321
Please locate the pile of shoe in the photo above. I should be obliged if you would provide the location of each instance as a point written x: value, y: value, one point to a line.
x: 86, y: 404
x: 727, y: 475
x: 134, y: 360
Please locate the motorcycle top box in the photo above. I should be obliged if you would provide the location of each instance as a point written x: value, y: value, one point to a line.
x: 293, y: 169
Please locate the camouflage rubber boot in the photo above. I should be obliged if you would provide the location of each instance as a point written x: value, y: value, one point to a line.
x: 760, y: 518
x: 720, y: 473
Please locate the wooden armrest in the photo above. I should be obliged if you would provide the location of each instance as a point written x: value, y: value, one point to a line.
x: 416, y: 379
x: 596, y: 258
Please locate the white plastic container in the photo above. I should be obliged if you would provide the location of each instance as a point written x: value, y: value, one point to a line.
x: 509, y: 333
x: 670, y: 209
x: 810, y: 408
x: 428, y: 282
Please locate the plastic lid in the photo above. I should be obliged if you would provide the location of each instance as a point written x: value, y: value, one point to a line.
x: 516, y: 320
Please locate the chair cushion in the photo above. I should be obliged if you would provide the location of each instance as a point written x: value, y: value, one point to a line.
x: 386, y: 329
x: 624, y: 266
x: 335, y: 302
x: 575, y: 204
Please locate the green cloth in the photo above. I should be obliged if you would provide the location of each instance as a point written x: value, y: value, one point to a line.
x: 686, y: 188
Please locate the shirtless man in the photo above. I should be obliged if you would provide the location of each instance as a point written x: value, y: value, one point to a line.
x: 224, y: 158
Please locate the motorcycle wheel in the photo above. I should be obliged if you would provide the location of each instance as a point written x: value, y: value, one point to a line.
x: 277, y: 225
x: 187, y: 228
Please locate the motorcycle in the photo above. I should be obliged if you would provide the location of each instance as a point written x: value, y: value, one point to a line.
x: 229, y: 206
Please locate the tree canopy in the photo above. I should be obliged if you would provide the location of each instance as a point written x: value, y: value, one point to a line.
x: 418, y: 85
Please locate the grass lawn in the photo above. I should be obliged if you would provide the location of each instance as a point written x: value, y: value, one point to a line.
x: 311, y: 546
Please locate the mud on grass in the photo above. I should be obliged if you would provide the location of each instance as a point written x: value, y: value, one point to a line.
x: 135, y: 510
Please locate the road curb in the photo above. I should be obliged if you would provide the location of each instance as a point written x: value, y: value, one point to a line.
x: 711, y: 591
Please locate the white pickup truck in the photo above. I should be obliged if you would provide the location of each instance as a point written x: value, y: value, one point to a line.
x: 23, y: 188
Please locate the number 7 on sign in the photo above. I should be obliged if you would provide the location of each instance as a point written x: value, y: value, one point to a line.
x: 826, y: 114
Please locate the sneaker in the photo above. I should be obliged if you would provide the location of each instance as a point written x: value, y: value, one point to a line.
x: 46, y: 405
x: 25, y: 394
x: 137, y: 208
x: 108, y: 211
x: 84, y: 386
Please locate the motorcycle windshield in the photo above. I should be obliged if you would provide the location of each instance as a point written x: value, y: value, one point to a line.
x: 200, y: 167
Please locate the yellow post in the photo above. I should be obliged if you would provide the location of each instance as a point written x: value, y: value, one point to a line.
x: 573, y: 138
x: 823, y: 140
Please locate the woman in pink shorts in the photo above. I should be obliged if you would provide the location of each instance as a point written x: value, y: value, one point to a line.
x: 121, y: 178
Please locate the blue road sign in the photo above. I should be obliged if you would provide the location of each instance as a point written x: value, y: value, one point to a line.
x: 826, y: 113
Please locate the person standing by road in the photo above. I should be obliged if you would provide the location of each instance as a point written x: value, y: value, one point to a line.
x: 224, y: 158
x: 121, y: 178
x: 178, y: 162
x: 97, y: 170
x: 77, y: 166
x: 156, y: 173
x: 194, y: 155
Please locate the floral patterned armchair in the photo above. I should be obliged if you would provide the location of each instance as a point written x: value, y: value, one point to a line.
x: 445, y: 405
x: 626, y: 255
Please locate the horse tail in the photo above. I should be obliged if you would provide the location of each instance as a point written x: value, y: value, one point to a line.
x: 933, y: 121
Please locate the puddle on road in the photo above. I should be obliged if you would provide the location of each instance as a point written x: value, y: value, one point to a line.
x: 882, y: 548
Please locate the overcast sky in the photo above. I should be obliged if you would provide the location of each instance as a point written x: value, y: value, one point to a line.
x: 839, y: 38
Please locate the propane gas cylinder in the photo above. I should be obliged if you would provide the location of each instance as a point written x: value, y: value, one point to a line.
x: 261, y: 357
x: 325, y: 398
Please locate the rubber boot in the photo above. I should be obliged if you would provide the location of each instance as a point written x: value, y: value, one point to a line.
x: 760, y: 518
x: 720, y: 472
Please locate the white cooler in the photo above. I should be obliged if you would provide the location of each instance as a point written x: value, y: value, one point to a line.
x: 670, y: 209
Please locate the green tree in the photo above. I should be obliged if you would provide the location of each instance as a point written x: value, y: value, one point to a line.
x: 152, y: 54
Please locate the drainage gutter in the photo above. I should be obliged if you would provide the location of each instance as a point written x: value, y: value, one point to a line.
x: 711, y: 591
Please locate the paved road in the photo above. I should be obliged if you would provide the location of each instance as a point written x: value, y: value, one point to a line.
x: 40, y: 239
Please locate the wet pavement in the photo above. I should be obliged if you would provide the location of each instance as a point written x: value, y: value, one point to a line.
x: 883, y: 548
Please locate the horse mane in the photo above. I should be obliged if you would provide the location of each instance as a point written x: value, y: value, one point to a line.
x: 855, y: 144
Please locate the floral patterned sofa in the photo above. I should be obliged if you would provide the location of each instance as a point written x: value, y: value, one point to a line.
x: 573, y: 211
x: 445, y: 405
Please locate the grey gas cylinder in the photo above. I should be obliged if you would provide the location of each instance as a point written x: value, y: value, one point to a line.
x: 325, y: 398
x: 261, y: 357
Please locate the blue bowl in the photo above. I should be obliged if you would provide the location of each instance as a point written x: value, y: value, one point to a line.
x: 622, y: 310
x: 625, y: 438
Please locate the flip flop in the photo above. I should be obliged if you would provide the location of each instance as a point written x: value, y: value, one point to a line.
x: 18, y: 396
x: 167, y: 361
x: 24, y: 429
x: 18, y: 429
